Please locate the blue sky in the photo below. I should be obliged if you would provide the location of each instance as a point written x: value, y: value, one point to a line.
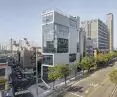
x: 22, y: 18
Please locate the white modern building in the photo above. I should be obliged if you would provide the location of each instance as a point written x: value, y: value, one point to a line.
x: 60, y: 36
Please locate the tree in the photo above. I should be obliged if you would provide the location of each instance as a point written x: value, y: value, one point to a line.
x: 113, y: 76
x: 75, y: 67
x: 86, y: 63
x: 107, y: 57
x: 64, y: 71
x: 53, y: 74
x: 100, y: 59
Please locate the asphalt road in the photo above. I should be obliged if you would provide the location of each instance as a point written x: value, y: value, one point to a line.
x: 95, y: 85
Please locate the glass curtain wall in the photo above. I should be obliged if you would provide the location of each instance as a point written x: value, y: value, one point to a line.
x: 61, y: 36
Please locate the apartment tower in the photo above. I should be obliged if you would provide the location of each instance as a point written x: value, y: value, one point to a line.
x: 110, y: 30
x: 98, y: 32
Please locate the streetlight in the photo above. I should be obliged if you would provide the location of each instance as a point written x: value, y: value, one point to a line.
x: 36, y: 74
x: 40, y: 58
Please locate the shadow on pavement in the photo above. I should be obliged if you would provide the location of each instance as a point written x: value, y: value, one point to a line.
x: 75, y: 89
x: 43, y: 87
x: 25, y: 95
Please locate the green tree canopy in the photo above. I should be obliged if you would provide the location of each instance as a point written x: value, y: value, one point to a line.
x: 64, y: 71
x: 53, y: 74
x: 99, y: 59
x: 87, y: 63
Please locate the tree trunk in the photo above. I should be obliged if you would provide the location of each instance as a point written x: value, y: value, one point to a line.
x: 65, y: 80
x: 53, y: 84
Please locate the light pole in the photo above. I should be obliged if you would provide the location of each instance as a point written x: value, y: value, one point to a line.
x: 36, y: 74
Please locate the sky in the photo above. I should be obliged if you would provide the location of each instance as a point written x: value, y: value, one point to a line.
x: 22, y: 18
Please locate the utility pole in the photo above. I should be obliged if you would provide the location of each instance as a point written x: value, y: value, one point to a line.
x: 36, y: 74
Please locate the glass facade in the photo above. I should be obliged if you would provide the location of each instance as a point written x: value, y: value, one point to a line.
x: 48, y: 59
x: 62, y: 46
x: 73, y: 23
x: 78, y: 47
x: 3, y: 60
x: 61, y: 35
x: 72, y: 57
x: 45, y: 73
x: 2, y: 72
x: 55, y: 38
x: 48, y: 38
x: 102, y: 35
x: 61, y: 31
x: 47, y: 18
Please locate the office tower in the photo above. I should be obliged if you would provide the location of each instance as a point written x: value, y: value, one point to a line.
x: 98, y: 32
x: 60, y: 36
x: 109, y: 22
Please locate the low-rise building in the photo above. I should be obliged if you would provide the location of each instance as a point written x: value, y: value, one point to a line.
x: 5, y: 72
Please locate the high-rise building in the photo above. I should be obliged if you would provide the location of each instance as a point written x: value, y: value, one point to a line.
x: 82, y: 39
x: 98, y: 32
x: 89, y: 46
x: 86, y: 44
x: 109, y: 22
x: 60, y: 39
x: 3, y: 47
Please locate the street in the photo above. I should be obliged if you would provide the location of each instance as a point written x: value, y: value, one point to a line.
x: 43, y: 91
x: 95, y: 85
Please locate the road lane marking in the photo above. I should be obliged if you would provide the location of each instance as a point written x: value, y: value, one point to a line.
x: 76, y: 94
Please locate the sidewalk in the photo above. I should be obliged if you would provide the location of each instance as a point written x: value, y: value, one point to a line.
x: 60, y: 87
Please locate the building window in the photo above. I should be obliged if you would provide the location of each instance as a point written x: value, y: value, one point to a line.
x: 61, y: 31
x: 2, y: 60
x: 45, y: 73
x: 2, y: 72
x: 62, y: 45
x: 2, y: 87
x: 48, y: 38
x: 47, y: 19
x: 73, y: 23
x: 72, y: 57
x: 78, y: 47
x: 48, y: 59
